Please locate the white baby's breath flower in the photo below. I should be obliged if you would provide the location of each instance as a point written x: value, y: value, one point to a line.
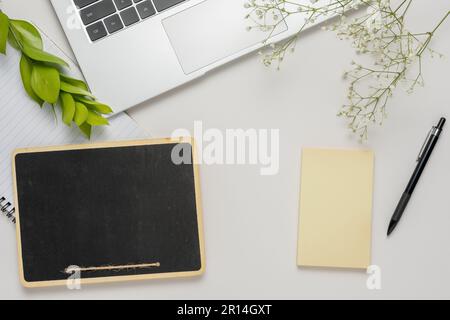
x: 378, y: 32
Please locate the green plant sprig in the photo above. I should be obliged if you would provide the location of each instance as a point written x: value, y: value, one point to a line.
x: 44, y: 79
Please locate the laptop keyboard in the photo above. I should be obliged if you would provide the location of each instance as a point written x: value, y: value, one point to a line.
x: 104, y: 17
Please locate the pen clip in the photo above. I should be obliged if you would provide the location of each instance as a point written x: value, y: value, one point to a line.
x: 424, y: 144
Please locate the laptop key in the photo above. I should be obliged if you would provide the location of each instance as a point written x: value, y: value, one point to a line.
x: 96, y: 31
x: 103, y: 17
x: 122, y: 4
x: 165, y: 4
x: 97, y: 11
x: 129, y: 16
x: 145, y: 9
x: 83, y: 3
x: 113, y: 23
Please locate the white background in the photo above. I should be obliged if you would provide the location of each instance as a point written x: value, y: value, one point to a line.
x: 251, y: 220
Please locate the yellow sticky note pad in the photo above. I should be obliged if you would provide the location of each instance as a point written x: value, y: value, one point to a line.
x: 335, y: 208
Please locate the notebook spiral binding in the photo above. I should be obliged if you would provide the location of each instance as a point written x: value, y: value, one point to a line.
x: 7, y: 209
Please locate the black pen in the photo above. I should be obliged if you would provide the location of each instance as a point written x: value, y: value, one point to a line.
x: 422, y: 160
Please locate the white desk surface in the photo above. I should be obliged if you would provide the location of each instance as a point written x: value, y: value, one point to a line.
x: 251, y: 220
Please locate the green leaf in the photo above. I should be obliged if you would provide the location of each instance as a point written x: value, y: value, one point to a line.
x: 42, y: 56
x: 86, y: 129
x: 95, y: 119
x: 13, y: 41
x: 26, y: 34
x: 75, y: 90
x: 26, y: 68
x: 54, y: 112
x: 81, y: 113
x: 68, y: 107
x: 45, y: 83
x: 95, y: 105
x: 4, y: 31
x: 75, y: 82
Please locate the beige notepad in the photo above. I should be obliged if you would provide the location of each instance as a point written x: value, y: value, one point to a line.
x: 335, y: 208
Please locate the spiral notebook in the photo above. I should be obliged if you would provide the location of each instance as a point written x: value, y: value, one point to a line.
x: 24, y: 124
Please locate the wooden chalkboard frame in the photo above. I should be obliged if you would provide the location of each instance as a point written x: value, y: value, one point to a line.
x: 112, y: 279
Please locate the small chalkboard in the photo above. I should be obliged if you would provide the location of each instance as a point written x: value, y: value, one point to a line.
x: 110, y: 211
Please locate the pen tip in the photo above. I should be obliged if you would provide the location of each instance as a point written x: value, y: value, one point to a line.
x: 391, y: 227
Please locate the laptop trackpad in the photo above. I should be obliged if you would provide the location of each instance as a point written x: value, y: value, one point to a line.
x: 211, y: 31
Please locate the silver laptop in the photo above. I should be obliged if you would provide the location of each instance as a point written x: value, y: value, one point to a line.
x: 133, y: 50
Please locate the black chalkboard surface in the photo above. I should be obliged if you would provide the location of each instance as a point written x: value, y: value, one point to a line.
x: 118, y: 211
